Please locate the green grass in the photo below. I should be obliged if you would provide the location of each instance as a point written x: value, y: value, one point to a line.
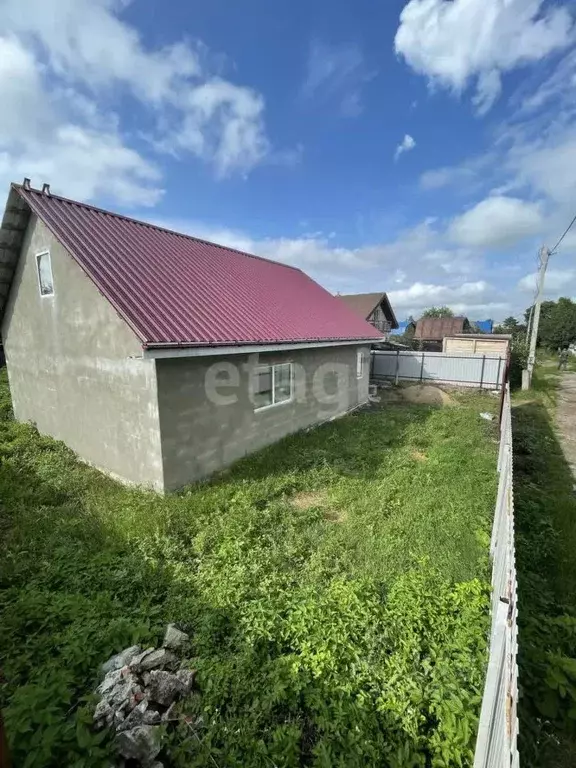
x: 335, y: 586
x: 546, y: 563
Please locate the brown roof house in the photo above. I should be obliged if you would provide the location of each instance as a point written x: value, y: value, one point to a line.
x: 434, y: 329
x: 373, y: 307
x: 158, y: 357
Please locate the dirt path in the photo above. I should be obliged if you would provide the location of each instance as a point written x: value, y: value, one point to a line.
x: 566, y: 417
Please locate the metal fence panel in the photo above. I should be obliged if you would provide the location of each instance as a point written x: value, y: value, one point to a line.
x: 483, y: 371
x: 496, y: 745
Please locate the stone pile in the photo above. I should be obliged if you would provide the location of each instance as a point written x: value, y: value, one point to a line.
x: 139, y: 692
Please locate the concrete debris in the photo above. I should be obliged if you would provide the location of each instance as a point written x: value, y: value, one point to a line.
x: 136, y: 717
x: 141, y: 743
x: 156, y: 659
x: 170, y: 713
x: 186, y: 677
x: 487, y: 416
x: 152, y: 717
x: 175, y: 639
x: 120, y: 660
x: 139, y: 692
x: 164, y: 687
x: 109, y: 681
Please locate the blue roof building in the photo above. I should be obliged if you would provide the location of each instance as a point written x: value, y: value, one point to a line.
x: 484, y: 326
x: 403, y: 327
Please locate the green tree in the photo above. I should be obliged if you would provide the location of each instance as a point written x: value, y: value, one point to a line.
x: 512, y: 326
x: 438, y: 312
x: 557, y: 323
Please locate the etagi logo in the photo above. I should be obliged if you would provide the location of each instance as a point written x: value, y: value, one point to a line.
x: 327, y: 387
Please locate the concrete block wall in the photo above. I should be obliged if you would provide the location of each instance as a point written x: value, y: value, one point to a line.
x: 200, y: 436
x: 76, y: 369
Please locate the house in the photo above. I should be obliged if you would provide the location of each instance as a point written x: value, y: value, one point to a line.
x: 493, y: 344
x: 405, y: 328
x: 373, y: 307
x: 430, y: 331
x: 158, y: 357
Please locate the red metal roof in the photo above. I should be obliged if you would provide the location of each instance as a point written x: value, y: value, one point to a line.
x: 173, y: 289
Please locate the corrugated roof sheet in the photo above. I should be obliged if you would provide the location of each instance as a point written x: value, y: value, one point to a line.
x: 173, y: 289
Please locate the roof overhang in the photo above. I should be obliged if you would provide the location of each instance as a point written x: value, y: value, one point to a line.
x: 12, y: 231
x: 392, y: 314
x: 160, y: 353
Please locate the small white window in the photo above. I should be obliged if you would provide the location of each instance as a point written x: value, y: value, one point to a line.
x: 45, y: 280
x: 273, y: 385
x: 359, y: 364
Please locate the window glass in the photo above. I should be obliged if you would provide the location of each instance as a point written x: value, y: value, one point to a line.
x: 282, y: 382
x: 263, y: 387
x: 45, y: 274
x: 359, y: 364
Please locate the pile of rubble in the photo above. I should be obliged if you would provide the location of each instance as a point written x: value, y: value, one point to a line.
x: 139, y: 692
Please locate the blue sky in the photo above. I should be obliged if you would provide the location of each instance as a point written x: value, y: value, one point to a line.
x: 426, y: 148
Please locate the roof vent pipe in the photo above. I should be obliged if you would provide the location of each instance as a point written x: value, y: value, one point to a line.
x: 46, y: 189
x: 26, y: 183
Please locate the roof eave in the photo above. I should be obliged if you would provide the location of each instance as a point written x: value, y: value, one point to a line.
x: 158, y: 351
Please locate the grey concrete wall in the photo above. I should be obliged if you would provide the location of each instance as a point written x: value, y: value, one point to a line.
x: 205, y: 427
x: 76, y: 369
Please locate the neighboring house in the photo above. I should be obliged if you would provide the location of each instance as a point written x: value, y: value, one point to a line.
x: 405, y: 328
x: 373, y: 307
x: 478, y: 344
x: 430, y: 331
x: 483, y: 326
x: 158, y: 357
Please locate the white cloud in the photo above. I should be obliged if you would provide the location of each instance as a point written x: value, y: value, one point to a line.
x: 453, y: 43
x: 336, y: 73
x: 64, y: 68
x: 556, y: 281
x: 223, y: 122
x: 40, y: 139
x: 406, y: 145
x: 548, y: 166
x: 496, y: 222
x: 426, y: 294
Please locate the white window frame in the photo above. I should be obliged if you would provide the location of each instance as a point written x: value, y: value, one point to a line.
x: 38, y: 257
x: 359, y: 363
x: 273, y: 367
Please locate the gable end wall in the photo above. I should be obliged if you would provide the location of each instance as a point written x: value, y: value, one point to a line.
x: 76, y: 369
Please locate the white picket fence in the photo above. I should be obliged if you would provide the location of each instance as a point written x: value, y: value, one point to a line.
x: 496, y: 745
x: 482, y: 371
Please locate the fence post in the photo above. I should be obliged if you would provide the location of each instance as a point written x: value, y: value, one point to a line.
x: 397, y: 367
x: 422, y: 368
x: 482, y: 371
x: 498, y: 373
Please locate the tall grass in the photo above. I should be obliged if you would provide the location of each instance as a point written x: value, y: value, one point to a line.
x: 335, y: 586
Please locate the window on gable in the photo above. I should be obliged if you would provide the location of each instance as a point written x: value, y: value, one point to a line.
x: 273, y: 385
x: 45, y: 279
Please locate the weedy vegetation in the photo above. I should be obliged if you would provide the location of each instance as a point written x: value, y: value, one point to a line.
x: 546, y: 563
x: 336, y: 586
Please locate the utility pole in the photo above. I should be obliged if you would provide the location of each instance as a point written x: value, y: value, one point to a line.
x: 544, y: 256
x: 529, y: 328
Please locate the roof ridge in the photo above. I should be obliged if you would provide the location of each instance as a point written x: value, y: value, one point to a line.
x: 21, y: 187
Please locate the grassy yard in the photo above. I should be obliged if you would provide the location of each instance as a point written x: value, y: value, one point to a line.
x: 546, y: 561
x: 335, y: 586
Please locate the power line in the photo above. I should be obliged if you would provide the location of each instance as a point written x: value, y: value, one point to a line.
x: 564, y: 235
